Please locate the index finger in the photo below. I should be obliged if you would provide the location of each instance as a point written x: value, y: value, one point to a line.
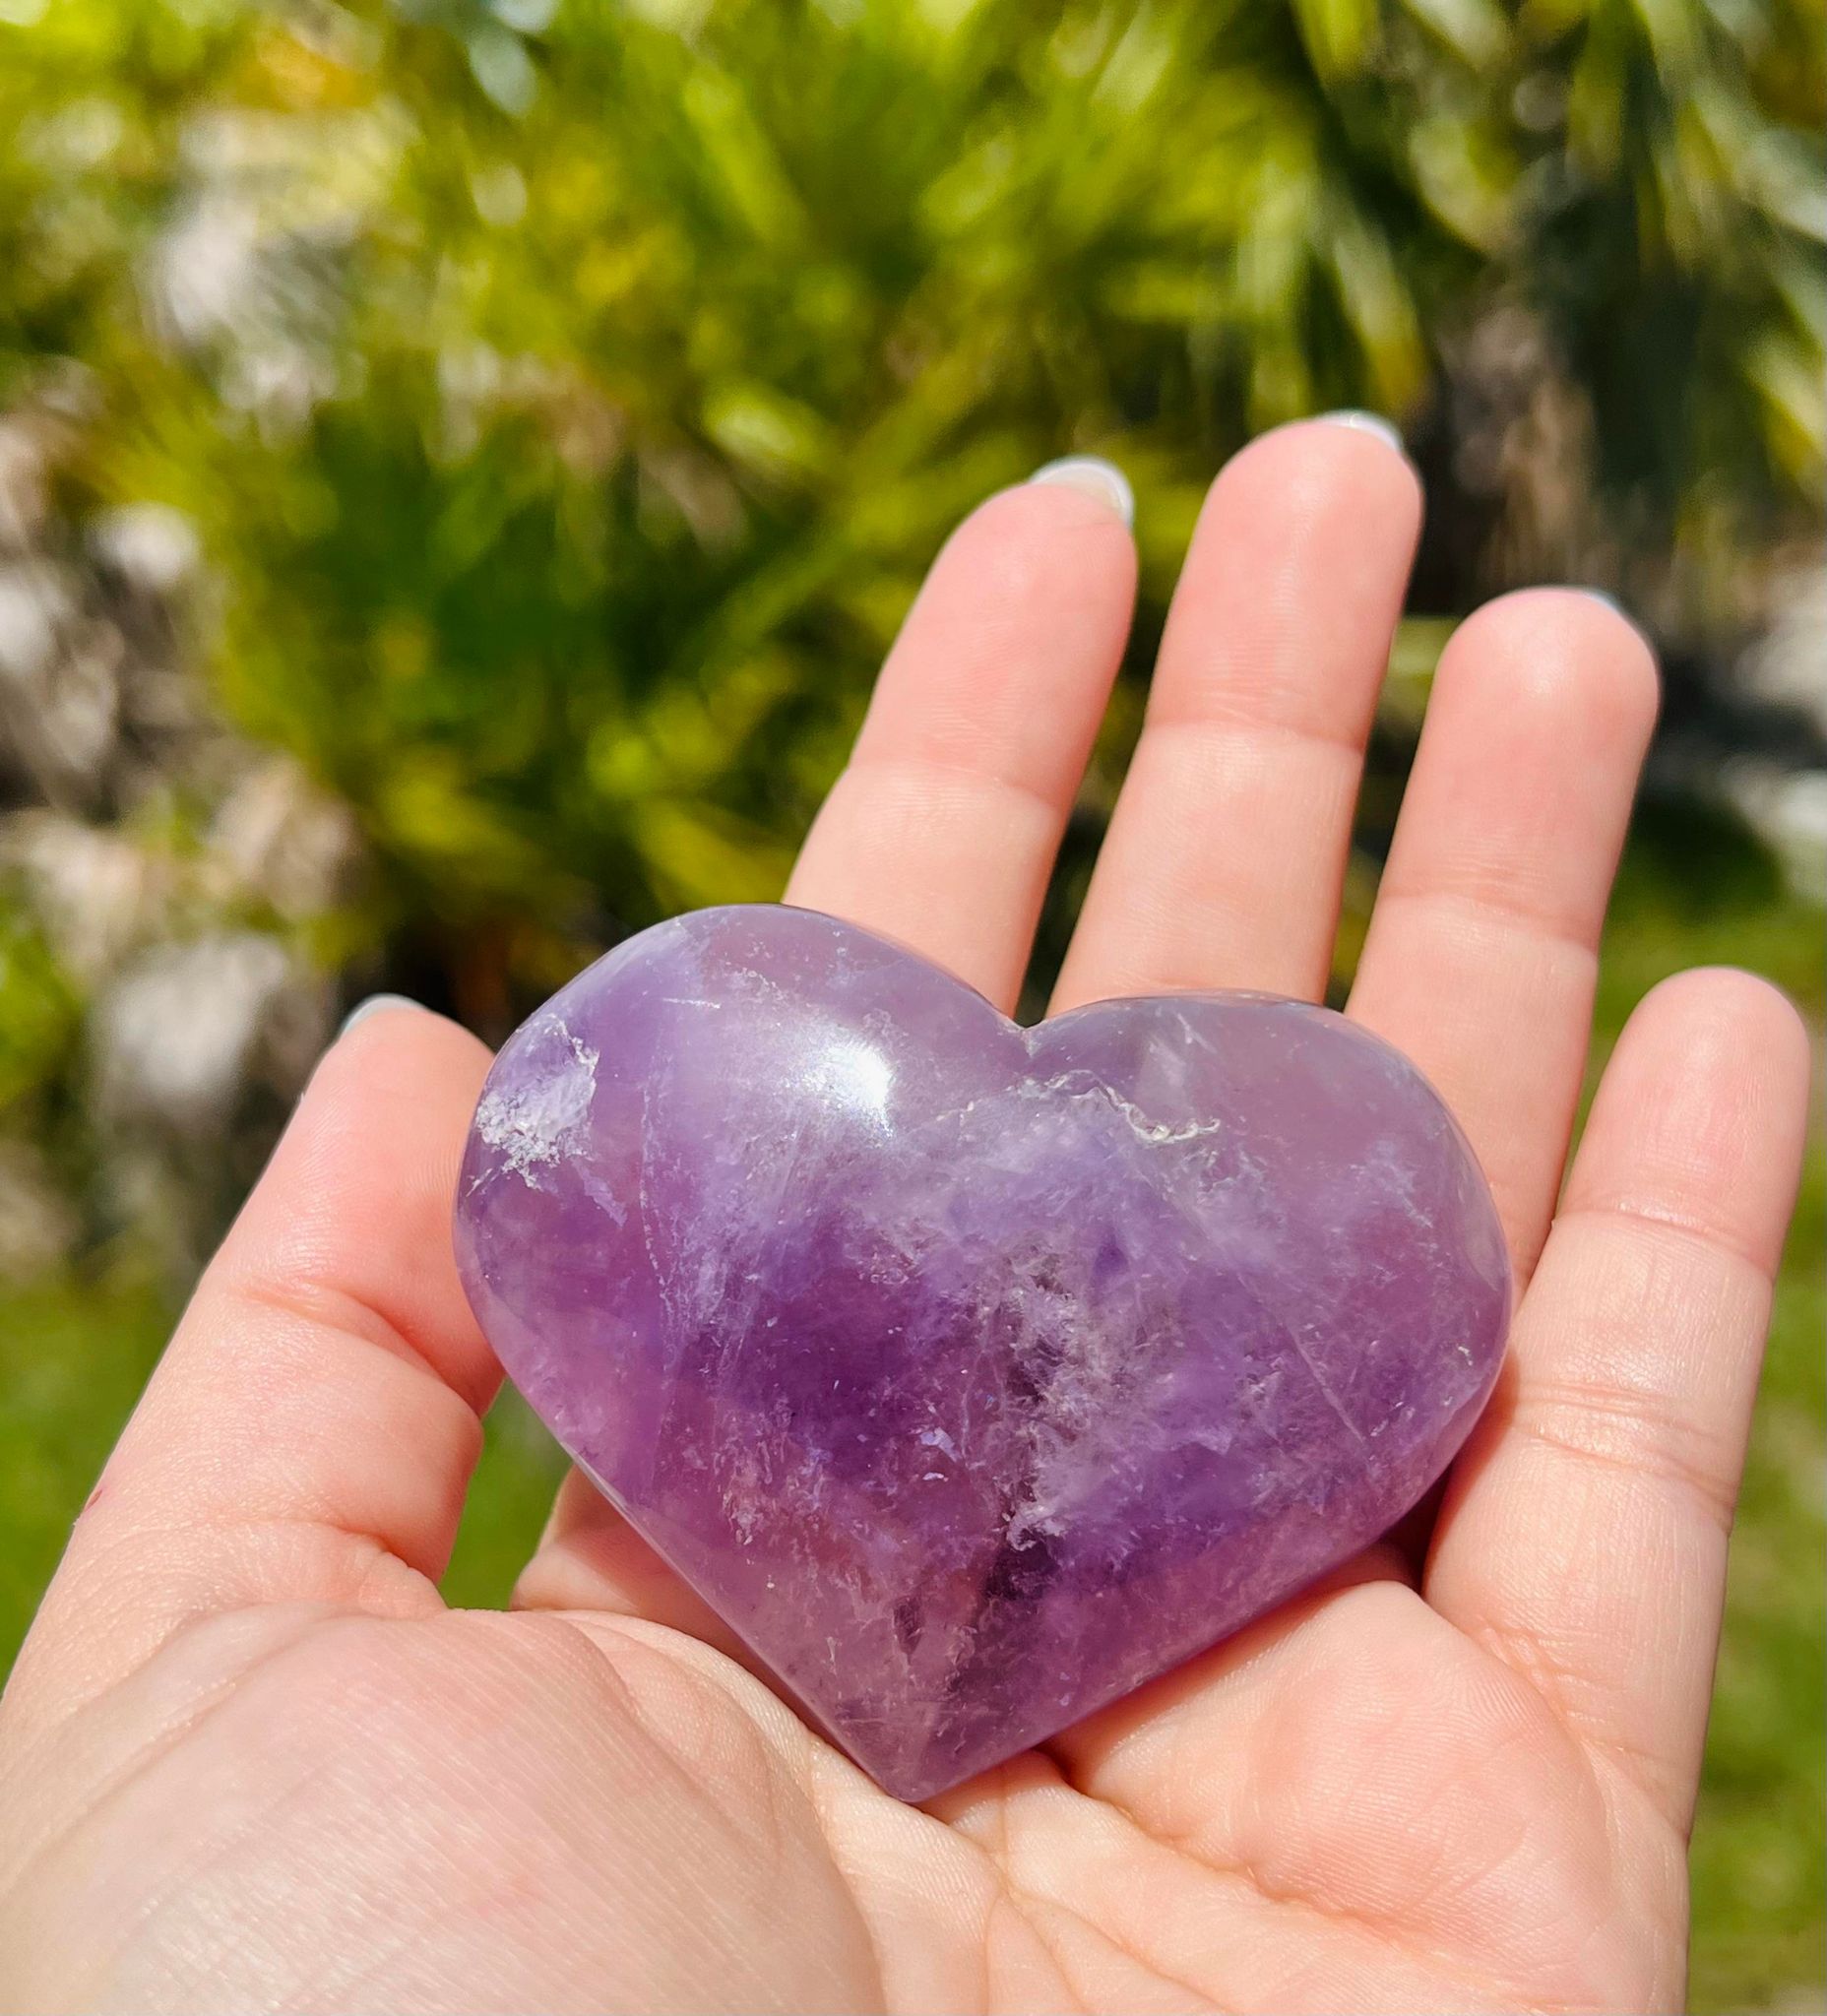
x: 942, y: 830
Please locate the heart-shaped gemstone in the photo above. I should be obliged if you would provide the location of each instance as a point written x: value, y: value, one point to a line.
x: 975, y: 1374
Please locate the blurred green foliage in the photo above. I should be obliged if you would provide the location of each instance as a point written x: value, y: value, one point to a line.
x: 567, y: 400
x: 570, y: 401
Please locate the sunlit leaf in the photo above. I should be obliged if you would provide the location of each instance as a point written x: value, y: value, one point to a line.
x: 1338, y: 34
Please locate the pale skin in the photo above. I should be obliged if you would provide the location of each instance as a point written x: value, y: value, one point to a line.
x: 250, y: 1760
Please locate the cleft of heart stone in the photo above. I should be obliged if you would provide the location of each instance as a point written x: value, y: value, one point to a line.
x: 974, y: 1375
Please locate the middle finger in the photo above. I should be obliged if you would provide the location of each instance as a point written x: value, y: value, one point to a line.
x: 1226, y: 852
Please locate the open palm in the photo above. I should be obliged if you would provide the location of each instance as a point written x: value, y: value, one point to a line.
x: 249, y: 1758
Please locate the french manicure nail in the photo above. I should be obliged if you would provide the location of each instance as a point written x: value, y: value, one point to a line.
x: 1095, y: 477
x: 376, y: 1004
x: 1367, y: 424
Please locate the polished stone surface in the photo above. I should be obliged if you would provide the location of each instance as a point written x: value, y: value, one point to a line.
x: 975, y: 1374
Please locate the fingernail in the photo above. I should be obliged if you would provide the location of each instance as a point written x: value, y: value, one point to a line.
x: 1094, y: 476
x: 376, y: 1004
x: 1606, y: 600
x: 1367, y: 424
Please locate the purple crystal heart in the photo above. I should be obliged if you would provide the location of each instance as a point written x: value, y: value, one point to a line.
x: 974, y: 1375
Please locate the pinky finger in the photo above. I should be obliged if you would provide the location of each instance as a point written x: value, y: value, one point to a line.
x: 1583, y: 1538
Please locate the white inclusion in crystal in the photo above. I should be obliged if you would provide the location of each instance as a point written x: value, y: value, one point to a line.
x: 1032, y: 1521
x: 532, y: 1126
x: 1159, y: 1133
x: 1156, y: 1133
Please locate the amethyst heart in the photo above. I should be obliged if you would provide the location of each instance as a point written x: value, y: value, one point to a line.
x: 974, y: 1375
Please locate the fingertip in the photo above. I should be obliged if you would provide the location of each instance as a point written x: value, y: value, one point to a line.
x: 358, y: 1189
x: 1360, y: 452
x: 390, y: 1034
x: 1728, y: 1022
x: 1360, y: 421
x: 1554, y: 613
x: 1047, y: 530
x: 1728, y: 989
x: 1701, y: 1117
x: 1093, y: 476
x: 1029, y: 561
x: 1015, y: 636
x: 399, y: 1075
x: 377, y: 1004
x: 1565, y: 648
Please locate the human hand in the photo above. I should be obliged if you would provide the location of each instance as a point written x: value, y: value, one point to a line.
x: 249, y: 1759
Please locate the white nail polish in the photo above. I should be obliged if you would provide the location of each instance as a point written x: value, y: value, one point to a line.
x: 376, y: 1004
x: 1095, y: 477
x: 1367, y: 424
